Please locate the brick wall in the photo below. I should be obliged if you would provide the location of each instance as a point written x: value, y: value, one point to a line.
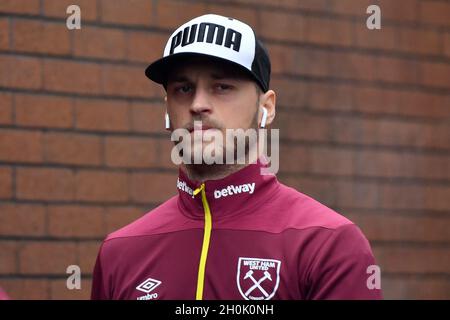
x: 364, y: 118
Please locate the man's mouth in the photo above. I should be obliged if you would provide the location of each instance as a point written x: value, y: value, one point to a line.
x: 200, y: 128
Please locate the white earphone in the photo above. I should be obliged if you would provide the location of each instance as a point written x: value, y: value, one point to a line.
x: 264, y: 118
x: 167, y: 121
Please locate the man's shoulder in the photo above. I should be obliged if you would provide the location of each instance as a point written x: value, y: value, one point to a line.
x: 301, y: 211
x: 162, y: 219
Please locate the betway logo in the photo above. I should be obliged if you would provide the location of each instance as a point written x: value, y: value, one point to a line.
x: 184, y: 187
x: 231, y: 190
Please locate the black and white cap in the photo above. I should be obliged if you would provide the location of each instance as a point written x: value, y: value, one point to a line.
x: 218, y: 37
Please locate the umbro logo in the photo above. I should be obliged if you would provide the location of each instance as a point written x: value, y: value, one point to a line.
x: 148, y: 286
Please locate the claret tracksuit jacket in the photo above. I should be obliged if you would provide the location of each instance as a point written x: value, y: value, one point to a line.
x: 246, y: 236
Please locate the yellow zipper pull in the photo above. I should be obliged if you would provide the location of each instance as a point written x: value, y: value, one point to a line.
x: 197, y: 191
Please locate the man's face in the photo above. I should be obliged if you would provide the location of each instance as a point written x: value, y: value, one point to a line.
x: 219, y: 95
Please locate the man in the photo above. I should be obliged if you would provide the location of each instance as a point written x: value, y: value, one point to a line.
x: 231, y: 232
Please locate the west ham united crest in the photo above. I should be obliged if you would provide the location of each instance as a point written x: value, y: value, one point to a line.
x: 258, y: 279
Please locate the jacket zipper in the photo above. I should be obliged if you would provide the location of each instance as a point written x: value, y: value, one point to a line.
x: 205, y: 245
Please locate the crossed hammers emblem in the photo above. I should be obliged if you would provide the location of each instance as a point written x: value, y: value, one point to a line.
x: 257, y: 284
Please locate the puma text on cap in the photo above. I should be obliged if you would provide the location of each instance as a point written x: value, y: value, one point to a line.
x: 217, y: 37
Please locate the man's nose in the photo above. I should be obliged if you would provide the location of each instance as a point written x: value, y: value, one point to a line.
x: 201, y: 102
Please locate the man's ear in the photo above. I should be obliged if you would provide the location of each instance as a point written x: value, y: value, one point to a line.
x: 268, y: 101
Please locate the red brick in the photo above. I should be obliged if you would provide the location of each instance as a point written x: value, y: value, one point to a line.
x: 403, y: 197
x: 380, y: 164
x: 351, y: 66
x: 8, y: 260
x: 100, y: 43
x: 396, y: 70
x: 400, y: 102
x: 146, y: 117
x: 45, y: 184
x: 6, y: 189
x: 102, y: 115
x: 46, y: 257
x: 311, y: 62
x: 345, y: 130
x: 329, y: 97
x: 323, y: 190
x: 294, y: 158
x: 165, y: 147
x: 328, y: 31
x: 43, y: 111
x: 58, y: 8
x: 22, y: 219
x: 246, y: 15
x: 145, y: 46
x: 390, y: 133
x: 378, y: 101
x: 437, y: 197
x: 435, y: 74
x: 26, y: 289
x: 413, y: 104
x: 386, y: 38
x: 447, y: 44
x: 171, y: 14
x: 76, y: 221
x: 4, y: 34
x: 390, y: 164
x: 405, y: 10
x: 282, y: 58
x: 352, y: 7
x: 130, y: 152
x: 290, y: 93
x: 101, y: 186
x: 412, y: 259
x: 87, y: 254
x: 305, y: 127
x: 5, y: 108
x: 131, y: 12
x: 356, y: 194
x: 70, y: 148
x: 118, y: 217
x: 282, y: 26
x: 386, y: 226
x: 414, y: 288
x: 120, y: 80
x: 74, y: 77
x: 59, y: 290
x: 331, y: 161
x: 435, y: 12
x: 20, y: 6
x: 152, y: 187
x: 419, y: 41
x: 40, y: 37
x: 20, y: 146
x: 20, y: 72
x: 434, y: 136
x: 316, y: 5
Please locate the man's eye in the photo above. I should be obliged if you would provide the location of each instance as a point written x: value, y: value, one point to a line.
x: 184, y: 88
x: 223, y: 86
